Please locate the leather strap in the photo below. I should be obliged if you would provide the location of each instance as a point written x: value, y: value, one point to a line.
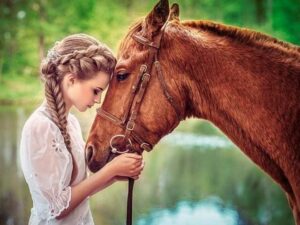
x: 129, y: 201
x: 128, y: 121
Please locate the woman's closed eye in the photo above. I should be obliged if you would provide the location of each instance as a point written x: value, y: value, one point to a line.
x: 96, y: 91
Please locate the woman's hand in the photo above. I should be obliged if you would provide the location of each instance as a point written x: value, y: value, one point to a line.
x: 126, y: 165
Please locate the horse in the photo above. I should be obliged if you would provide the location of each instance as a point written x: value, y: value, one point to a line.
x: 245, y: 82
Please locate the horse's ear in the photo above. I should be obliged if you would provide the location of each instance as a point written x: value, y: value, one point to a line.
x: 174, y: 14
x: 157, y: 17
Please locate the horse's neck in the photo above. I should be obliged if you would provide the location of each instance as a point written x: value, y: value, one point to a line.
x: 245, y: 93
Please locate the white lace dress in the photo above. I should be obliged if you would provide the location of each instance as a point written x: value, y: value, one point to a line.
x: 47, y: 167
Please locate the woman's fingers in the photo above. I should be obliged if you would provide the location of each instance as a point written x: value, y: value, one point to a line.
x: 136, y: 170
x: 130, y: 164
x: 133, y: 155
x: 137, y: 164
x: 135, y: 177
x: 143, y: 164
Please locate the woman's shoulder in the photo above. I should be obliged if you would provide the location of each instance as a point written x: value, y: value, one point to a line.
x: 39, y: 121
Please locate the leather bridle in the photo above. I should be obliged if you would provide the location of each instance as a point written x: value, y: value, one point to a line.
x: 128, y: 121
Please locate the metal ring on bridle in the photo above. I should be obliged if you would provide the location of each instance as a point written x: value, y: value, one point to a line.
x: 115, y: 150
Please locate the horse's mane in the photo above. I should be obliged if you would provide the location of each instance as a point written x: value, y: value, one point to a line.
x: 244, y: 35
x: 241, y: 35
x: 137, y: 26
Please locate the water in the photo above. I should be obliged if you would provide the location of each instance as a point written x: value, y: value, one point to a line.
x: 193, y: 141
x: 206, y: 212
x: 195, y: 176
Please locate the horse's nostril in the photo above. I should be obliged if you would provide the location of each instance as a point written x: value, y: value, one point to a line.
x: 89, y: 153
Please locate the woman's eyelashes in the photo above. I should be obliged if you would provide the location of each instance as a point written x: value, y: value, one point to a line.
x: 96, y: 91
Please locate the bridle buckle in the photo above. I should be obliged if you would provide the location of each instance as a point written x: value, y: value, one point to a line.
x: 146, y: 77
x: 130, y: 125
x: 146, y: 146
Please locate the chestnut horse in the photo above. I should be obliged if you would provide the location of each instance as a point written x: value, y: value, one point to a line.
x: 244, y: 82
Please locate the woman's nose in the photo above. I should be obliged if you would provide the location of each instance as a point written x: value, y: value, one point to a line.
x: 97, y: 100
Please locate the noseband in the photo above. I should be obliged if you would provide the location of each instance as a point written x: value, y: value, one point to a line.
x: 128, y: 121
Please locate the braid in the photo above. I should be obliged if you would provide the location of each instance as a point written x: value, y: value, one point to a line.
x: 82, y: 56
x: 94, y: 58
x: 57, y: 110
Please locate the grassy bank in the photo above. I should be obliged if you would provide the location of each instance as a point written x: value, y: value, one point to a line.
x: 20, y: 90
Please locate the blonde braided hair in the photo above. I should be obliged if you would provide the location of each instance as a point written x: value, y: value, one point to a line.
x: 81, y: 55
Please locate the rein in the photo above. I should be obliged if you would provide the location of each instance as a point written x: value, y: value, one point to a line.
x: 127, y: 122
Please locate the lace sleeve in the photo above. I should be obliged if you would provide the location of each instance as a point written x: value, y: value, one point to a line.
x: 49, y: 167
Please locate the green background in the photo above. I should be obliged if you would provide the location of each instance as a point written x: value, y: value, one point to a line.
x: 29, y: 28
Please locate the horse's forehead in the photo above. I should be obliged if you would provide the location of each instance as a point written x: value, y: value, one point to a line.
x: 130, y: 58
x: 128, y: 46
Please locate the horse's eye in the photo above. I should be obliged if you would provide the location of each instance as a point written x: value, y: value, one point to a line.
x: 122, y: 76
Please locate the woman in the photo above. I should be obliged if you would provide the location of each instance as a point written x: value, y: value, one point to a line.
x: 75, y: 71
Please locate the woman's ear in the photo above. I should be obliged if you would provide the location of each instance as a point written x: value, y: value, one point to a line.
x: 70, y: 79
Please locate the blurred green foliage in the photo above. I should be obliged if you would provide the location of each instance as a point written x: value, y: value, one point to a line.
x: 29, y: 27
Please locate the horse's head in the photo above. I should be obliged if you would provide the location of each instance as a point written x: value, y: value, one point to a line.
x: 141, y: 104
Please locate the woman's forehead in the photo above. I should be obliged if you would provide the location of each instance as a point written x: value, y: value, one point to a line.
x: 100, y: 78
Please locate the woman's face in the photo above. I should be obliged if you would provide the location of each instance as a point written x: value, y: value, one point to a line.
x: 84, y: 94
